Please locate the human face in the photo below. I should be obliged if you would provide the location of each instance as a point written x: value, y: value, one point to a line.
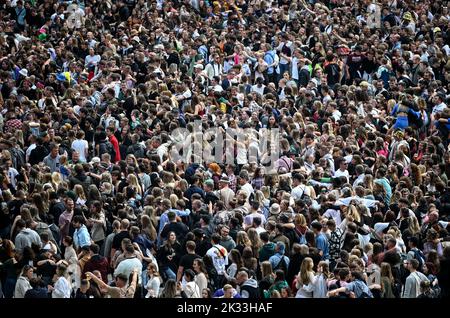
x: 205, y: 293
x: 195, y: 266
x: 172, y: 237
x: 55, y: 151
x: 228, y: 293
x: 225, y: 232
x: 29, y: 273
x: 69, y: 204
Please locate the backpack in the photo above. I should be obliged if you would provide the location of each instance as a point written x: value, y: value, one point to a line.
x: 107, y: 147
x: 418, y: 255
x: 138, y: 151
x: 281, y: 265
x: 17, y: 158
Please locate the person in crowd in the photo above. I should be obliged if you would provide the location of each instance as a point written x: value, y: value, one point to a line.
x: 250, y: 149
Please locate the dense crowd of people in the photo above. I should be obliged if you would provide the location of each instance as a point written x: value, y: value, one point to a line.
x: 95, y: 205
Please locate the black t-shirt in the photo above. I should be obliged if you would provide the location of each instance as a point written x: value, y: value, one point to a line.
x: 117, y: 241
x: 179, y: 228
x: 187, y: 261
x: 56, y: 210
x: 46, y: 269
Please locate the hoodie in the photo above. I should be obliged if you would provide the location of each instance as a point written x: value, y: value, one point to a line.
x: 228, y: 243
x: 249, y: 289
x: 266, y: 251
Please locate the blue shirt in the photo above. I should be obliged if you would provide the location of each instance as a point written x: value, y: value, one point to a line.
x: 276, y: 259
x: 269, y: 58
x: 322, y: 245
x: 21, y: 15
x: 81, y: 237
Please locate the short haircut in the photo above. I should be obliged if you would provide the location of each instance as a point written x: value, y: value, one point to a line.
x: 264, y: 236
x: 78, y: 219
x: 129, y: 248
x: 316, y: 225
x: 94, y: 248
x: 190, y: 245
x: 414, y: 263
x: 215, y: 238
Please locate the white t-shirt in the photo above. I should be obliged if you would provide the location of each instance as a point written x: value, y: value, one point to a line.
x: 340, y: 173
x: 294, y: 68
x: 247, y: 188
x: 219, y: 256
x: 12, y: 174
x: 81, y: 146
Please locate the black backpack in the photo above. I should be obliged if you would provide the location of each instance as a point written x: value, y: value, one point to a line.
x: 17, y: 158
x: 107, y: 147
x: 281, y: 265
x: 418, y: 255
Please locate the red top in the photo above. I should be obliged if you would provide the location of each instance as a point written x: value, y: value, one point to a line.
x: 115, y: 144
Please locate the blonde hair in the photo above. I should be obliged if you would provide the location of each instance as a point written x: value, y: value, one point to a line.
x: 243, y: 239
x: 266, y: 269
x: 353, y: 211
x: 299, y: 219
x: 78, y: 189
x: 305, y: 269
x: 56, y: 180
x: 135, y: 183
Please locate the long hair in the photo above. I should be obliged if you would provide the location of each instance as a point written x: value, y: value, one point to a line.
x: 78, y: 189
x: 148, y: 228
x: 305, y: 269
x: 386, y: 271
x: 325, y: 268
x: 243, y: 239
x: 266, y: 269
x: 202, y: 266
x: 235, y: 256
x: 170, y: 289
x: 255, y: 239
x: 154, y: 269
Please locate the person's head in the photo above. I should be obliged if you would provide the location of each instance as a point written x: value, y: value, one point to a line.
x: 94, y: 249
x: 215, y: 239
x: 77, y: 221
x: 121, y: 280
x: 385, y: 270
x: 199, y: 266
x: 189, y: 275
x: 152, y: 269
x: 225, y: 231
x: 27, y: 271
x: 228, y: 291
x: 413, y: 265
x: 305, y: 269
x: 54, y: 150
x: 84, y: 286
x: 61, y: 270
x: 172, y: 237
x: 190, y: 247
x: 316, y: 227
x: 69, y: 204
x: 266, y: 269
x: 206, y: 293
